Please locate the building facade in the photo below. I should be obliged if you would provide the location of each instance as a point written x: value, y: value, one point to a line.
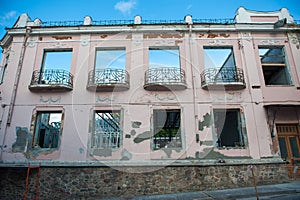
x: 117, y: 108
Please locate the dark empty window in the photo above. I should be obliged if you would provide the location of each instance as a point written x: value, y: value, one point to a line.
x: 275, y: 69
x: 107, y: 129
x: 47, y: 129
x: 3, y: 68
x: 229, y: 128
x: 166, y: 126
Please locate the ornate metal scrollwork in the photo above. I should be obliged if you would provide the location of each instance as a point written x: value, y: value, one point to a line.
x: 52, y: 77
x: 222, y: 75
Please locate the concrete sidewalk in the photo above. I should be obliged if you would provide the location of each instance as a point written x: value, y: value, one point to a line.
x: 288, y: 191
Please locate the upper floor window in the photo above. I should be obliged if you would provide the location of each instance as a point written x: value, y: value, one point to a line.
x: 164, y: 71
x: 110, y: 58
x: 109, y: 73
x: 54, y: 73
x: 218, y: 57
x: 164, y: 57
x: 230, y: 127
x: 47, y: 129
x: 3, y: 68
x: 274, y: 66
x: 57, y: 60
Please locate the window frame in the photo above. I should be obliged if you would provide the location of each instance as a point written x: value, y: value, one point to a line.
x: 154, y: 147
x: 3, y: 68
x: 221, y: 47
x: 93, y: 128
x: 241, y: 131
x: 287, y: 71
x: 164, y: 48
x: 119, y: 48
x: 35, y: 143
x: 70, y: 50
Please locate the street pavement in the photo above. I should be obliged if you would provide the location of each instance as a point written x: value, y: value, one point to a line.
x: 289, y: 191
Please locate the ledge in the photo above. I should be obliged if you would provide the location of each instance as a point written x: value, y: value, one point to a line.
x: 50, y: 88
x: 149, y: 163
x: 224, y: 86
x: 164, y: 86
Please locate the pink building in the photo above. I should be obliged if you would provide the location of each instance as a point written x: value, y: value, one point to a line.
x: 108, y: 108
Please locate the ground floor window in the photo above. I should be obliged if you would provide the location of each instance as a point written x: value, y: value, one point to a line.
x: 47, y: 129
x: 106, y: 129
x: 166, y: 127
x: 229, y: 127
x: 289, y: 142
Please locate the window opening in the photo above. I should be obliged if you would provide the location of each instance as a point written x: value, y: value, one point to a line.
x: 220, y: 64
x: 229, y: 128
x: 107, y: 129
x: 47, y: 129
x: 110, y: 58
x: 275, y: 69
x: 218, y: 58
x: 164, y: 66
x: 56, y: 67
x: 54, y: 60
x: 167, y: 132
x: 163, y: 58
x: 289, y: 142
x: 3, y: 68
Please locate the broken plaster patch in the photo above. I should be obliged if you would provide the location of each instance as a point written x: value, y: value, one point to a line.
x: 102, y: 152
x: 205, y: 122
x: 211, y: 154
x: 136, y: 124
x: 133, y: 132
x: 168, y: 151
x: 81, y: 150
x: 143, y: 136
x: 126, y: 155
x: 21, y: 141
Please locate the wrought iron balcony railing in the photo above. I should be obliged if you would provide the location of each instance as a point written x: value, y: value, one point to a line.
x: 108, y: 79
x: 165, y: 78
x: 103, y: 139
x: 54, y: 79
x: 230, y: 78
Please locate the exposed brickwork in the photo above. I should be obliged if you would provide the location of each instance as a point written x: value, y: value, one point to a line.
x: 77, y: 182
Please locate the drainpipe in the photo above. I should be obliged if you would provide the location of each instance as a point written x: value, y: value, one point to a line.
x: 18, y: 74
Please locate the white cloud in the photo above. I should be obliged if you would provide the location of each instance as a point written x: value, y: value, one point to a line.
x: 189, y: 7
x: 125, y: 6
x: 9, y: 15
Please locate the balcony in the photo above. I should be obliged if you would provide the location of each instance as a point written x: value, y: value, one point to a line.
x: 107, y: 80
x: 165, y: 79
x: 223, y: 78
x: 51, y: 80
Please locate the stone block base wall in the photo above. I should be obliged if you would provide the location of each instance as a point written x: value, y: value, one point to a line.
x: 100, y: 182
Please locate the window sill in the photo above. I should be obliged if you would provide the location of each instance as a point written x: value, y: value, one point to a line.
x: 230, y: 148
x: 279, y: 86
x: 177, y: 149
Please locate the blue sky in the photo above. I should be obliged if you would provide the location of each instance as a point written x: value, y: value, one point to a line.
x: 60, y: 10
